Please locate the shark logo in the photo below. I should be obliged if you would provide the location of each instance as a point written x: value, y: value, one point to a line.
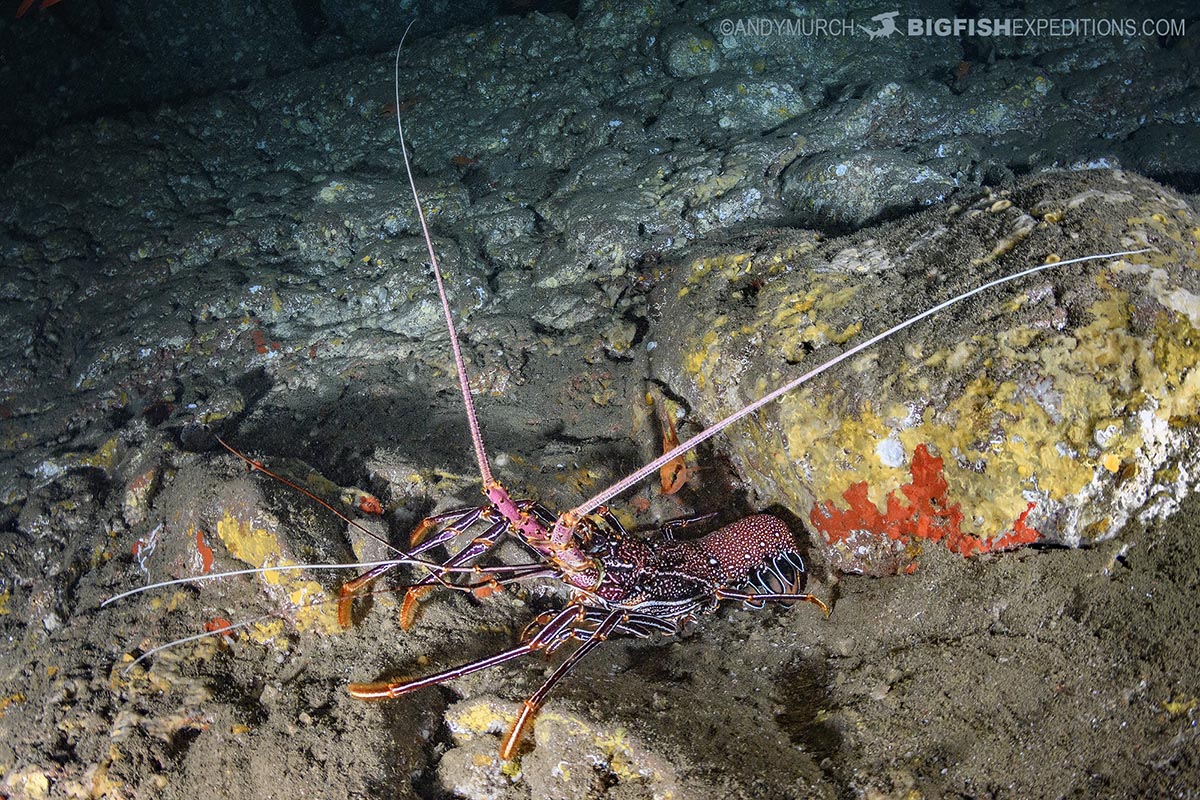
x: 887, y: 25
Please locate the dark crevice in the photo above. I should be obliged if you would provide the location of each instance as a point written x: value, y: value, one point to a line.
x: 311, y: 18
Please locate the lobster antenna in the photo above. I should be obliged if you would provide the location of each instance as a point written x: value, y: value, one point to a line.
x: 520, y: 572
x: 254, y: 466
x: 357, y: 565
x: 590, y: 505
x: 221, y: 631
x: 485, y: 470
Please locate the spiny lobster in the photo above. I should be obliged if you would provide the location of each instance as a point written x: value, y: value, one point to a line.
x: 622, y: 584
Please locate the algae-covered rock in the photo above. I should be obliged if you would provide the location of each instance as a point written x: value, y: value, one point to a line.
x: 1051, y: 409
x: 212, y: 518
x: 573, y: 754
x: 688, y: 51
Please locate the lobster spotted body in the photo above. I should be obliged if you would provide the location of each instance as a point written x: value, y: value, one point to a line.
x: 677, y: 579
x: 623, y: 584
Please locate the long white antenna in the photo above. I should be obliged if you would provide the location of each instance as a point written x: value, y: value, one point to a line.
x: 592, y: 503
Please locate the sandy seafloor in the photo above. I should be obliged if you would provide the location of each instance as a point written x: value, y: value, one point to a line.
x: 1039, y: 673
x: 1043, y: 672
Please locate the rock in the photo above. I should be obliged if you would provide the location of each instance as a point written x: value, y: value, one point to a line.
x: 249, y: 520
x: 29, y: 782
x: 138, y: 494
x: 850, y: 189
x: 474, y: 772
x: 689, y: 51
x: 1053, y: 409
x: 571, y: 752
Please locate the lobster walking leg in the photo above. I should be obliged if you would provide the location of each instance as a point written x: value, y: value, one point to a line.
x: 752, y: 598
x: 668, y: 528
x: 509, y: 748
x: 548, y: 638
x: 459, y: 521
x: 486, y: 541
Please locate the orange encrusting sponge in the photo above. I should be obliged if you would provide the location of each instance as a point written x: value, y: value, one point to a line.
x: 922, y: 511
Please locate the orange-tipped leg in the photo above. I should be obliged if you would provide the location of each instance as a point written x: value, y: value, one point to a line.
x: 345, y: 606
x: 385, y: 690
x: 512, y: 741
x: 476, y: 548
x: 761, y: 597
x: 455, y: 522
x: 421, y: 531
x: 549, y: 637
x: 351, y: 589
x: 557, y: 631
x: 412, y: 602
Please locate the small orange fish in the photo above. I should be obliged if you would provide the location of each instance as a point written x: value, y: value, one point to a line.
x: 464, y: 161
x: 674, y: 473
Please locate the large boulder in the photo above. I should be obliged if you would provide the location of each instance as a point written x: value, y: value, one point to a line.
x: 1052, y: 409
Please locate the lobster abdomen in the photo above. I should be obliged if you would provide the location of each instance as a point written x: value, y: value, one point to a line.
x: 742, y: 548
